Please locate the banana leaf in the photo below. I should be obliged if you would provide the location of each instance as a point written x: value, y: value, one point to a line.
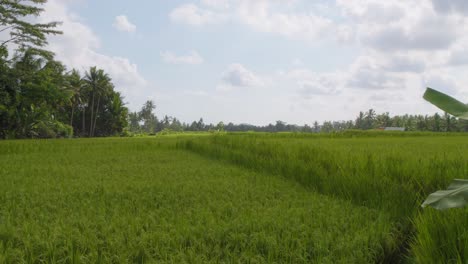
x: 455, y: 196
x: 457, y: 193
x: 446, y: 103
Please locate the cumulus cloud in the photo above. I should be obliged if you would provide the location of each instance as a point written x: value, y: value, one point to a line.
x: 193, y: 15
x: 440, y: 81
x: 385, y: 96
x: 122, y: 23
x: 312, y: 83
x: 429, y: 33
x: 451, y: 6
x: 365, y: 73
x: 260, y: 16
x: 78, y: 46
x: 400, y: 25
x: 237, y: 75
x: 217, y: 4
x: 403, y: 63
x: 192, y: 59
x: 458, y: 57
x: 400, y: 42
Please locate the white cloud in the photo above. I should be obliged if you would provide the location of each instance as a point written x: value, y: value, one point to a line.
x: 401, y: 47
x: 122, y: 23
x: 366, y: 73
x: 312, y: 83
x: 451, y: 6
x: 77, y: 48
x: 260, y: 16
x: 217, y: 4
x: 400, y: 62
x: 237, y: 75
x: 400, y: 25
x: 193, y: 58
x: 193, y: 15
x: 297, y: 62
x: 441, y: 81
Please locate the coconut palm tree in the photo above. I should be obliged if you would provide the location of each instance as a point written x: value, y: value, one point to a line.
x: 75, y: 86
x: 98, y: 83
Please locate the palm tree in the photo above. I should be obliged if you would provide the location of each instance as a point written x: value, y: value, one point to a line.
x: 149, y: 119
x: 98, y: 83
x: 74, y: 85
x: 370, y: 117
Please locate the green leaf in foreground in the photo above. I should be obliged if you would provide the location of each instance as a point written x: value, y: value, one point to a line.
x: 446, y: 103
x: 455, y: 196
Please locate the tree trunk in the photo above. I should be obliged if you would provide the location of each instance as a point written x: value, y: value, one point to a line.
x: 96, y: 114
x: 84, y: 121
x: 91, y: 118
x: 71, y: 119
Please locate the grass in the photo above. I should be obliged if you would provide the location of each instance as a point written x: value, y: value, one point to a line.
x: 140, y: 200
x: 388, y: 172
x: 348, y: 197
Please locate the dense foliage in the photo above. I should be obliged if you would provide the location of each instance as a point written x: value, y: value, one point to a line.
x: 38, y: 97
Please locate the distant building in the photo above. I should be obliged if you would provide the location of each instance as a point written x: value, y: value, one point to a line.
x: 394, y: 129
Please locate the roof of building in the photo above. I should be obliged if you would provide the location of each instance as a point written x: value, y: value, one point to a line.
x: 394, y: 129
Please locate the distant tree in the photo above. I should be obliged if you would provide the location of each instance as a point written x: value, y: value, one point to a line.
x: 327, y: 127
x: 220, y: 126
x: 383, y: 120
x: 150, y: 121
x: 176, y: 125
x: 437, y: 120
x: 316, y: 127
x: 280, y: 126
x: 200, y: 125
x: 306, y: 129
x: 194, y: 126
x: 360, y: 124
x: 369, y: 119
x: 134, y: 122
x: 166, y: 121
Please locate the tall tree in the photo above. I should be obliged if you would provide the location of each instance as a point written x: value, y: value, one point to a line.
x: 98, y: 83
x: 370, y: 118
x: 360, y: 121
x: 150, y: 121
x: 74, y: 84
x: 15, y: 19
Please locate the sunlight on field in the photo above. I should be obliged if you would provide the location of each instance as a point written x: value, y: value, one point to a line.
x: 389, y: 172
x: 140, y: 200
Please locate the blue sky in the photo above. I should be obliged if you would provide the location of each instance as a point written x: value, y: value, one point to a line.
x: 265, y: 60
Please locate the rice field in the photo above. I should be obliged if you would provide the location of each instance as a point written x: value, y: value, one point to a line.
x: 389, y: 172
x: 232, y: 198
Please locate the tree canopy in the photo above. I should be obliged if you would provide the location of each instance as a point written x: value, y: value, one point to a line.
x: 38, y: 96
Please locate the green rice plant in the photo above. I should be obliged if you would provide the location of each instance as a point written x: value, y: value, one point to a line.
x: 391, y: 173
x: 139, y: 200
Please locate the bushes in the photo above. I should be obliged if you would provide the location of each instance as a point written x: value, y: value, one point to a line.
x: 51, y: 129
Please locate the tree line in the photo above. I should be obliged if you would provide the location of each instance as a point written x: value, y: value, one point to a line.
x: 145, y: 121
x: 39, y: 97
x: 368, y: 120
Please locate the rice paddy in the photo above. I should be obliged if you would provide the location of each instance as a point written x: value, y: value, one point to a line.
x: 233, y: 198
